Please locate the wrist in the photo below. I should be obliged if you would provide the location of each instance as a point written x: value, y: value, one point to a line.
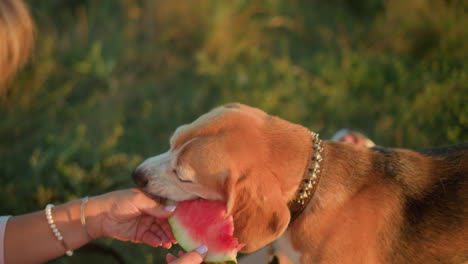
x: 94, y: 214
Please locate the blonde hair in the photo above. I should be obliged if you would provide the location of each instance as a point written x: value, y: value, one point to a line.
x: 16, y: 38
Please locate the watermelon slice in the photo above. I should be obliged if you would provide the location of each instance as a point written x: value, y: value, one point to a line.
x: 202, y: 222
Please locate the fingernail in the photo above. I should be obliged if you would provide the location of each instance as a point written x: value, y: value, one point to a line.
x: 167, y: 245
x: 170, y: 208
x: 201, y: 249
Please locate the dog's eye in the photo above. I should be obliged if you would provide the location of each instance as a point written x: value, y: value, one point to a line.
x: 180, y: 179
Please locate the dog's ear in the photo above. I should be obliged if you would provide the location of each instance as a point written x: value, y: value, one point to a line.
x: 260, y: 214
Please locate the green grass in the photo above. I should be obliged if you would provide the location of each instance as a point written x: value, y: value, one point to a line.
x: 110, y: 80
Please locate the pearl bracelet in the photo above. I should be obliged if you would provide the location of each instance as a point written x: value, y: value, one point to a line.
x: 58, y: 235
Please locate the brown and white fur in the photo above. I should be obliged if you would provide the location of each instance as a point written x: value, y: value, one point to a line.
x: 376, y: 205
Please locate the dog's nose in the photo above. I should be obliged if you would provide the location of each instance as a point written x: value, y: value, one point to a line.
x: 140, y: 178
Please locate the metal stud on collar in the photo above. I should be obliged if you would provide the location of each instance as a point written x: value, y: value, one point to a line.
x: 311, y: 176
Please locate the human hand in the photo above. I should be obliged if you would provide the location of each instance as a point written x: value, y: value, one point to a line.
x: 130, y: 215
x: 195, y: 256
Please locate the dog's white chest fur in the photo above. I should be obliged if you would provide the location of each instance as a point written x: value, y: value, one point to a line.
x: 282, y: 246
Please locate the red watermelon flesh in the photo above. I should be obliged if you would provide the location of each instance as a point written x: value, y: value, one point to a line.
x: 203, y: 222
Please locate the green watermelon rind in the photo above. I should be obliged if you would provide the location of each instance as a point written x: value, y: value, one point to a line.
x: 182, y: 237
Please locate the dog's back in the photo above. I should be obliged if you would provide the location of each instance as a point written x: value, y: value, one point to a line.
x: 434, y: 183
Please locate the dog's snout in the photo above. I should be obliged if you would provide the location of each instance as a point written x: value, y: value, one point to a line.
x: 140, y: 178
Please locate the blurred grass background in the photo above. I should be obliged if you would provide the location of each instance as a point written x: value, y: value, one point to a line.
x: 110, y: 80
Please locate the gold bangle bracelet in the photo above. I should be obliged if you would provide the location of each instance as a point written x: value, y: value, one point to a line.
x: 83, y: 217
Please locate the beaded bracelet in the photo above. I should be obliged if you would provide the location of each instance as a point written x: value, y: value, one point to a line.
x: 58, y: 235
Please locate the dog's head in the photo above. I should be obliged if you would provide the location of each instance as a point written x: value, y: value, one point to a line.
x: 238, y: 154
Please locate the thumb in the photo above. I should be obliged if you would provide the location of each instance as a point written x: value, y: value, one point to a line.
x: 160, y: 211
x: 152, y: 207
x: 195, y: 256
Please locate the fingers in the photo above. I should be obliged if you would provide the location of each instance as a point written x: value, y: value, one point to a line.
x: 145, y: 223
x: 151, y: 239
x: 165, y: 240
x: 154, y: 232
x: 195, y: 256
x: 166, y: 228
x: 167, y: 245
x: 155, y: 237
x: 191, y: 257
x: 152, y: 227
x: 170, y: 258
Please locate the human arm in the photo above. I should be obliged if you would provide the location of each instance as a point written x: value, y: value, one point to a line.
x: 124, y: 215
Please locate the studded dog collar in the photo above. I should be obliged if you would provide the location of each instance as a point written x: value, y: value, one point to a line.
x: 307, y: 188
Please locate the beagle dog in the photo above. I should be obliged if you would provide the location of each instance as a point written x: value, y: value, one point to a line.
x: 336, y: 202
